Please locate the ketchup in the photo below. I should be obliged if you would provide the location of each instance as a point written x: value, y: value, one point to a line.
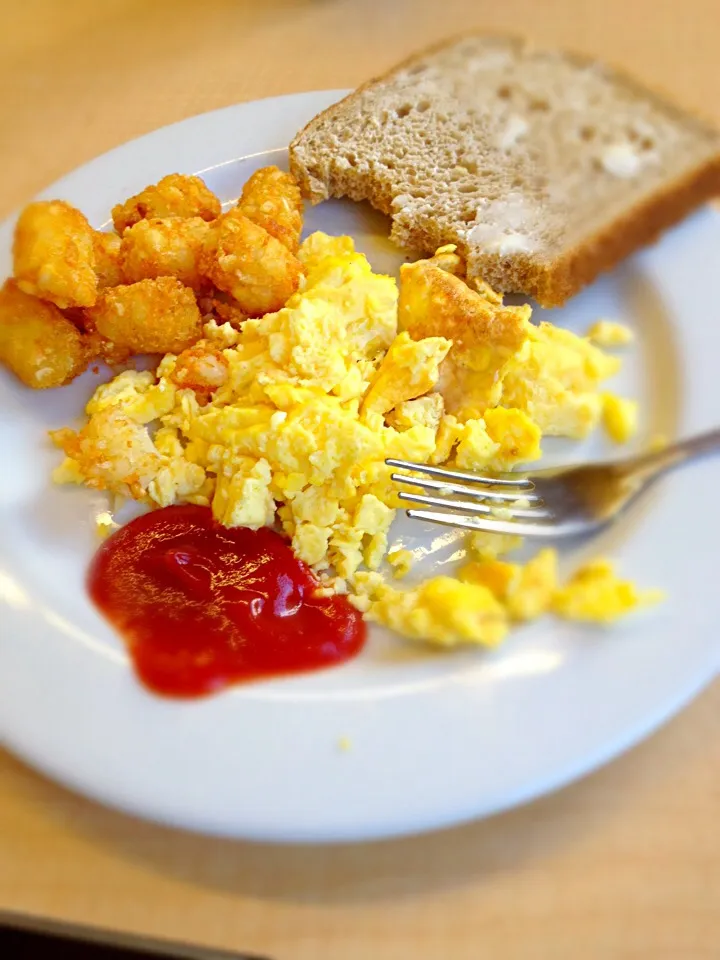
x: 202, y: 606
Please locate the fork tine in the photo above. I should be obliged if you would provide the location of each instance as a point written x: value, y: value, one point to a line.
x: 481, y: 493
x: 537, y: 513
x: 488, y: 524
x: 521, y: 483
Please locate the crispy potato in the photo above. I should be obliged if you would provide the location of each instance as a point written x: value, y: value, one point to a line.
x: 54, y: 256
x: 164, y: 247
x: 103, y: 349
x: 220, y: 307
x: 76, y: 316
x: 202, y: 368
x: 242, y: 259
x: 111, y: 452
x: 39, y: 345
x: 98, y: 347
x: 272, y: 200
x: 107, y: 259
x: 174, y: 196
x: 227, y: 310
x: 151, y: 316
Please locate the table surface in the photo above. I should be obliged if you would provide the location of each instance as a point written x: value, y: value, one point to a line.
x: 625, y: 864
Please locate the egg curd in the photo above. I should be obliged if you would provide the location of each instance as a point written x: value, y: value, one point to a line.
x: 288, y: 421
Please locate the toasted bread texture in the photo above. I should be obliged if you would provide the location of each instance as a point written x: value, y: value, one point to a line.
x: 545, y: 168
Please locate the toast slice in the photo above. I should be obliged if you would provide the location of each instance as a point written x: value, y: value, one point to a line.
x: 544, y: 167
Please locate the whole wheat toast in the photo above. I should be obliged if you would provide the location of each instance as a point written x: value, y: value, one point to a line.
x: 544, y: 167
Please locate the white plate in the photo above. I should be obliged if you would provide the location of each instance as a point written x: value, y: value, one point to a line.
x: 434, y: 738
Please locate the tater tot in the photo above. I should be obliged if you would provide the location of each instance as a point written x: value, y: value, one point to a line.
x: 174, y: 196
x: 151, y: 316
x: 111, y: 452
x: 103, y: 349
x: 220, y: 307
x: 76, y: 316
x: 107, y: 259
x: 98, y: 347
x: 271, y: 198
x: 54, y: 256
x: 202, y: 368
x: 227, y: 310
x: 39, y: 345
x: 164, y: 247
x: 242, y: 259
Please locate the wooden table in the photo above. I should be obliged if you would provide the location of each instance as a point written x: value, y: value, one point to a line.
x: 623, y: 865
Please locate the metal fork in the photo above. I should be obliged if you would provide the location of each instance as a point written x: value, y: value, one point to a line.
x: 566, y: 502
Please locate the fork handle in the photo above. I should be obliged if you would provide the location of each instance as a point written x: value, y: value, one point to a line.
x: 652, y: 464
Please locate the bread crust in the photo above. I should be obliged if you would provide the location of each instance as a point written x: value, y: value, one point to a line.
x: 637, y: 227
x: 554, y: 282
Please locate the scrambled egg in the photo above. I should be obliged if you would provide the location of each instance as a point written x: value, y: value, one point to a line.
x: 443, y: 608
x: 289, y: 421
x: 526, y: 592
x: 620, y: 417
x: 610, y: 333
x: 594, y: 593
x: 555, y: 377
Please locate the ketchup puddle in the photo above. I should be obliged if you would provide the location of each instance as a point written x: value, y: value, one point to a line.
x: 202, y: 607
